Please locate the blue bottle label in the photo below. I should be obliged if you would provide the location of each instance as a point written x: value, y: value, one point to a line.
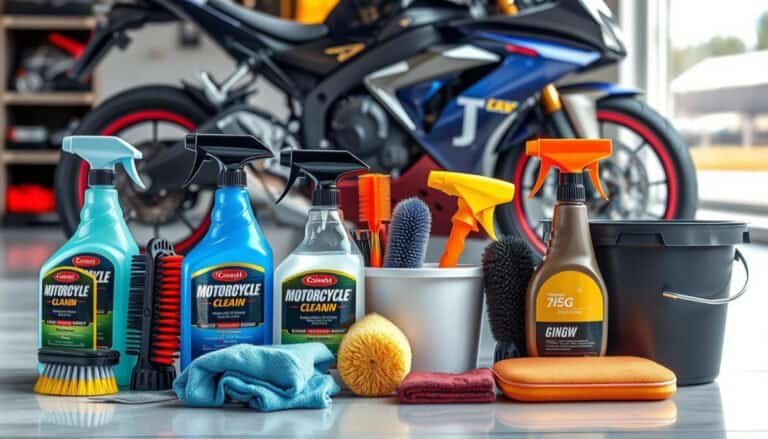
x: 103, y: 270
x: 227, y: 305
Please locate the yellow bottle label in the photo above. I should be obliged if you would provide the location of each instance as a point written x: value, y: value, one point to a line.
x: 569, y: 315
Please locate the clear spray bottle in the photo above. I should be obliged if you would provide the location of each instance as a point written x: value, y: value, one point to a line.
x: 319, y: 287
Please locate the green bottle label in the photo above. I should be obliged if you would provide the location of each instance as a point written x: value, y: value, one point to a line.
x: 318, y: 305
x: 68, y: 309
x: 103, y: 270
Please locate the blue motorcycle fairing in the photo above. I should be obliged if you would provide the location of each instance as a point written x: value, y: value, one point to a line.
x: 415, y: 98
x: 459, y: 138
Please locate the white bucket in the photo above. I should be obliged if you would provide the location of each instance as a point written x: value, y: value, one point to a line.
x: 438, y: 309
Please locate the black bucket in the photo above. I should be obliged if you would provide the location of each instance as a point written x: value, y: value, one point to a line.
x: 668, y: 289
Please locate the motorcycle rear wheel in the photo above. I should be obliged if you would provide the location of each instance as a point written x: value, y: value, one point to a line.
x: 651, y: 162
x: 168, y: 113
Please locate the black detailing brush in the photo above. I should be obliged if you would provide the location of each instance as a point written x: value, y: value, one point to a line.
x: 153, y: 315
x: 408, y: 234
x: 507, y: 268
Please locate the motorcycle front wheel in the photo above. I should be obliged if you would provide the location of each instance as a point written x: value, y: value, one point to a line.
x: 649, y: 177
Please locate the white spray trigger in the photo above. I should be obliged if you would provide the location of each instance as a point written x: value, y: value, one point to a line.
x: 104, y: 152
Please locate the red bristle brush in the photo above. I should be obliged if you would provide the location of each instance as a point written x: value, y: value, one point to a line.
x: 154, y: 316
x: 375, y: 211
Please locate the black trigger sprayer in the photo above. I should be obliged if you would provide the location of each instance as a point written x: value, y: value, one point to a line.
x: 231, y: 153
x: 324, y: 167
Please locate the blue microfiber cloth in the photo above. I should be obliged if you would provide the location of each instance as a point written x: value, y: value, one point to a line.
x: 266, y: 378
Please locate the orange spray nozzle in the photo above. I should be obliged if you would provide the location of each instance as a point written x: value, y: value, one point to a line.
x: 478, y: 197
x: 570, y: 156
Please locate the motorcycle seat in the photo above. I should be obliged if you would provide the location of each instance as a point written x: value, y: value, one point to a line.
x: 279, y: 28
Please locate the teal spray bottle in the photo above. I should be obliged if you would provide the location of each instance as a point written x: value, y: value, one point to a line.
x: 226, y: 280
x: 320, y: 286
x: 97, y: 257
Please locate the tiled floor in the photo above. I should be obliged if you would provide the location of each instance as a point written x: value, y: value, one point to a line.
x: 733, y: 406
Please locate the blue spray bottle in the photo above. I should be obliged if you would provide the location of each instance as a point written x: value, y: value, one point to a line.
x: 84, y: 285
x: 226, y: 280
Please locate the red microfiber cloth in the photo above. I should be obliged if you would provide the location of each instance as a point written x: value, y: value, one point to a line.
x: 442, y: 388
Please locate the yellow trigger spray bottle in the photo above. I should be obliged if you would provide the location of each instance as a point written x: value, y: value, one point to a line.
x: 567, y: 304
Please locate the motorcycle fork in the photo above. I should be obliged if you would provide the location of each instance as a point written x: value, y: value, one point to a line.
x: 552, y: 106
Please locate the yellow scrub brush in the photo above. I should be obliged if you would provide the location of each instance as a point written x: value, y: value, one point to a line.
x: 374, y: 357
x: 77, y: 372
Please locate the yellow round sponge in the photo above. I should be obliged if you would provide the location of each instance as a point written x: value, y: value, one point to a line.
x: 374, y: 357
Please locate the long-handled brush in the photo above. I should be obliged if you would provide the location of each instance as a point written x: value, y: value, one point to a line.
x: 77, y: 372
x: 154, y: 315
x: 375, y: 211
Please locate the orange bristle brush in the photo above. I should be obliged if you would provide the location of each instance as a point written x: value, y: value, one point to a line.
x: 154, y: 316
x: 375, y: 211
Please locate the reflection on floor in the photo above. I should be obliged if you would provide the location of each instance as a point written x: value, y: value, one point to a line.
x: 735, y: 403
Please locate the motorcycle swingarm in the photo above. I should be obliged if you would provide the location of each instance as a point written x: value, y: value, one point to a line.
x: 121, y: 18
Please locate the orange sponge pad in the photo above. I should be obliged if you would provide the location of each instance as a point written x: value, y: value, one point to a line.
x: 584, y: 379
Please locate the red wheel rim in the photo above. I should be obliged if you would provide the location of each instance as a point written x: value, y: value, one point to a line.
x: 623, y: 120
x: 127, y: 121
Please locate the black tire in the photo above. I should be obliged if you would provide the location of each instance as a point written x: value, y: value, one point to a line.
x: 686, y: 193
x: 141, y: 99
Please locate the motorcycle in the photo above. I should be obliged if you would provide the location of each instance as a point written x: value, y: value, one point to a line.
x: 409, y: 87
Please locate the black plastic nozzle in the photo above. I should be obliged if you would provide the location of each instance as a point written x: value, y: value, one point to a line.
x: 229, y: 151
x: 324, y: 167
x: 570, y: 188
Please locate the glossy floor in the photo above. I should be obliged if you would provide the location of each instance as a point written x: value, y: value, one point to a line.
x: 732, y: 406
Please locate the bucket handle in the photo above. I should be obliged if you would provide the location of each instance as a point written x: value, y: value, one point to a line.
x: 678, y: 296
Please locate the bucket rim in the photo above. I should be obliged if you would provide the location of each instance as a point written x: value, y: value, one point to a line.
x: 668, y: 233
x: 429, y: 270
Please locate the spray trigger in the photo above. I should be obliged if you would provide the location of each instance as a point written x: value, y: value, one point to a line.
x: 324, y: 167
x: 230, y: 152
x: 544, y: 169
x: 104, y: 152
x: 570, y: 156
x: 594, y: 177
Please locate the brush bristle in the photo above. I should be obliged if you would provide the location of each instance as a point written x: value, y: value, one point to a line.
x: 408, y: 234
x: 135, y: 312
x: 507, y: 268
x: 375, y: 199
x: 70, y: 380
x: 166, y: 330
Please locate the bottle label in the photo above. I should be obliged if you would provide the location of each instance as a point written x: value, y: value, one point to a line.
x: 228, y: 298
x: 103, y: 270
x: 569, y: 315
x: 318, y: 305
x: 68, y: 309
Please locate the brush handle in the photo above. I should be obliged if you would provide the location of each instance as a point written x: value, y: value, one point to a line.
x: 376, y: 259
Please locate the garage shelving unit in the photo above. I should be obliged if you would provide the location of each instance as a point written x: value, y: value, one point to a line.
x: 34, y: 165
